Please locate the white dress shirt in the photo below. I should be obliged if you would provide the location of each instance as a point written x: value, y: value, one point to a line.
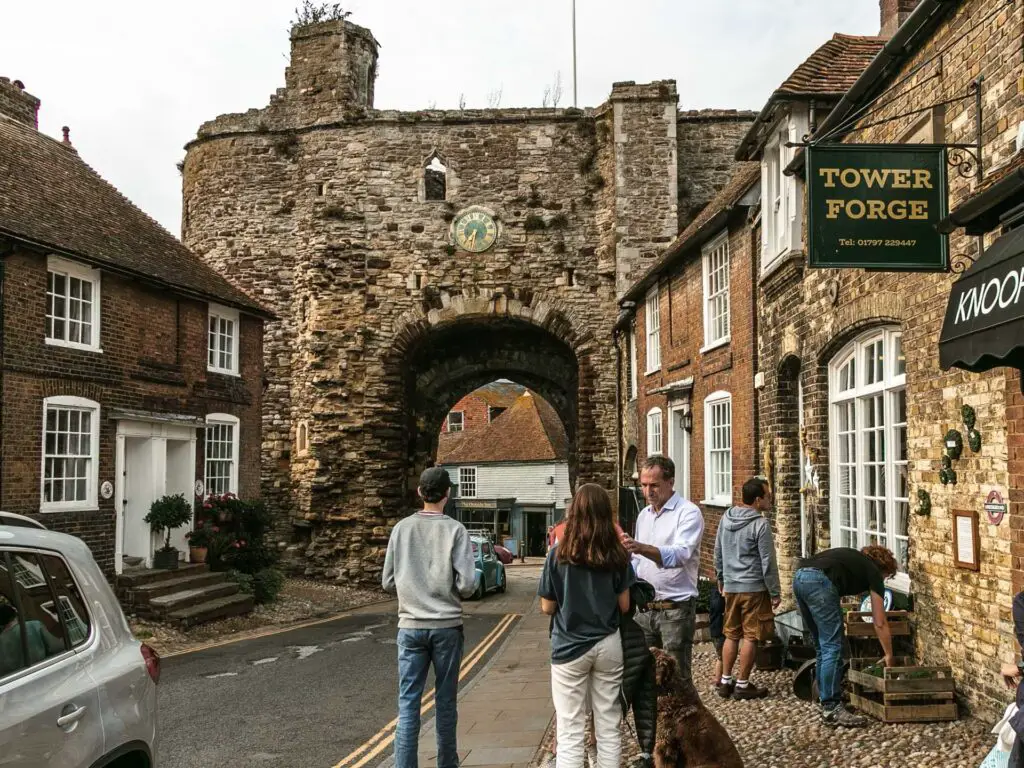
x: 676, y: 531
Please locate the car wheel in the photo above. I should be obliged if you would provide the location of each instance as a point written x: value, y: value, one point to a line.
x: 502, y: 580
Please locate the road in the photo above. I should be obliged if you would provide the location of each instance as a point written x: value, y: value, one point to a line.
x: 311, y: 696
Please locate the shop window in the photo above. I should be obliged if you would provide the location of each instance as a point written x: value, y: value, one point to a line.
x: 868, y: 446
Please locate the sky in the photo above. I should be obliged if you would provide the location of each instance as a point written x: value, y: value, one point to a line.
x: 134, y: 79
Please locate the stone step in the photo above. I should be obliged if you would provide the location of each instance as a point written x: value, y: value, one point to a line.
x: 186, y: 598
x: 221, y: 608
x: 145, y: 593
x: 136, y: 577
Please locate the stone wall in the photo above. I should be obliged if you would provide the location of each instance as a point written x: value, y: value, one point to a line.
x: 316, y: 205
x: 962, y: 618
x: 17, y: 103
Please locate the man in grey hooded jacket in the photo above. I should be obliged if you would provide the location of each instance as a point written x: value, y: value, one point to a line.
x: 748, y: 577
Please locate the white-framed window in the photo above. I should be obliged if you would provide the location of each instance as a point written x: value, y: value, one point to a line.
x: 223, y: 340
x: 71, y: 431
x: 456, y: 421
x: 467, y: 482
x: 221, y: 454
x: 781, y: 229
x: 655, y: 444
x: 653, y: 318
x: 631, y: 337
x: 718, y: 449
x: 868, y: 446
x: 302, y: 438
x: 72, y: 304
x: 716, y: 292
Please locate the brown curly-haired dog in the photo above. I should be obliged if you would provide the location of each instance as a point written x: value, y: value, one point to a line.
x: 689, y: 736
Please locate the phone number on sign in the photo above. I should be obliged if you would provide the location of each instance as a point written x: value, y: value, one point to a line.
x: 846, y: 242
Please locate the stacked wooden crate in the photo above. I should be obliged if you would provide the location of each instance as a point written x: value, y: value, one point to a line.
x: 904, y: 693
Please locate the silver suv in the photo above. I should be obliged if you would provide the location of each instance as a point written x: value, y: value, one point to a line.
x: 76, y: 689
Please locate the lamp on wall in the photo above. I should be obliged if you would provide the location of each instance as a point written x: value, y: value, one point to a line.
x: 686, y: 420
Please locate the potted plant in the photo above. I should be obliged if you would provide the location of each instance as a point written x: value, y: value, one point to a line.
x: 198, y: 542
x: 166, y: 514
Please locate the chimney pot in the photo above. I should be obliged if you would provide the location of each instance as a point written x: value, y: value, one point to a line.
x: 19, y: 85
x: 67, y: 135
x: 894, y: 13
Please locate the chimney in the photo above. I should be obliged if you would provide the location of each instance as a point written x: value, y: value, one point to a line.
x: 17, y: 103
x: 894, y: 13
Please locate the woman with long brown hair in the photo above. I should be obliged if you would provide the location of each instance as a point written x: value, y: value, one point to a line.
x: 585, y: 586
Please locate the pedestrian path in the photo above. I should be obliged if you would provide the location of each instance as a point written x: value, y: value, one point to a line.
x: 505, y: 713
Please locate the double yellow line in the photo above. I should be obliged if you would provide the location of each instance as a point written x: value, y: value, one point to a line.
x: 386, y: 735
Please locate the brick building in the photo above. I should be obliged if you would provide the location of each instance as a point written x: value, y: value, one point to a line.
x: 474, y: 412
x: 130, y: 369
x: 415, y: 256
x: 856, y: 407
x: 687, y: 336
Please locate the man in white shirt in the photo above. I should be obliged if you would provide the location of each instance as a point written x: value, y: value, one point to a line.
x: 666, y: 553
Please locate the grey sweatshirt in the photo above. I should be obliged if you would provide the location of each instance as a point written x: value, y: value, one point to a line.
x: 745, y: 553
x: 430, y: 565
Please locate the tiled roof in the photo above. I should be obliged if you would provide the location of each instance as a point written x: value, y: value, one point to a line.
x: 528, y: 431
x: 744, y: 177
x: 50, y: 197
x: 833, y: 68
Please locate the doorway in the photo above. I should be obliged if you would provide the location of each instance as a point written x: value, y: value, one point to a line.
x: 679, y: 447
x: 153, y: 459
x: 536, y: 533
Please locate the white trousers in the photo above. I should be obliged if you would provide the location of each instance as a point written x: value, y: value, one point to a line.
x: 596, y: 675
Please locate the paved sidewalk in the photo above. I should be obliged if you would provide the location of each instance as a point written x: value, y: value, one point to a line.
x: 505, y: 713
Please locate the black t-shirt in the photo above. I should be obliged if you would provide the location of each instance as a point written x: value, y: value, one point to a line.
x: 588, y: 605
x: 850, y: 571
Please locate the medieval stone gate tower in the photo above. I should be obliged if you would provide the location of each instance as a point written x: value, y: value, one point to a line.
x: 342, y: 219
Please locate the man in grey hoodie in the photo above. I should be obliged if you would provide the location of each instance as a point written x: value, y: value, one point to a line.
x: 748, y: 577
x: 430, y: 564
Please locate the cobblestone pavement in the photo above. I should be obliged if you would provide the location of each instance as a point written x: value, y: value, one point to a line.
x: 783, y: 732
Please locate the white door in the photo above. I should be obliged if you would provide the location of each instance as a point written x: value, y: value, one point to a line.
x: 137, y: 496
x: 180, y: 478
x: 679, y: 449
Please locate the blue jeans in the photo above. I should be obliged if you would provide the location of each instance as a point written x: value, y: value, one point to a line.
x: 417, y: 650
x: 818, y: 600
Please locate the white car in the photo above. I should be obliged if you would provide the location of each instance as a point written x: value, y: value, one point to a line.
x: 76, y: 689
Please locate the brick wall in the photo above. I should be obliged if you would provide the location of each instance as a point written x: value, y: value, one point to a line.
x: 729, y: 368
x: 154, y: 356
x: 806, y: 317
x: 474, y: 414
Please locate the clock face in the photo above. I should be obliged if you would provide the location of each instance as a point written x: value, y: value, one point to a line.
x: 475, y: 230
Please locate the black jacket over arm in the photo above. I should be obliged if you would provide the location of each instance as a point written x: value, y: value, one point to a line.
x: 638, y: 674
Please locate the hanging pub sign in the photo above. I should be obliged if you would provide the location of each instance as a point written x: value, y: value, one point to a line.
x: 875, y: 206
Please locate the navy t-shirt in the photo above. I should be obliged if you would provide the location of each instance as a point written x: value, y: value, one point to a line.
x: 588, y: 605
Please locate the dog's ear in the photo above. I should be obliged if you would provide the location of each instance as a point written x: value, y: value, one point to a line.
x: 664, y: 668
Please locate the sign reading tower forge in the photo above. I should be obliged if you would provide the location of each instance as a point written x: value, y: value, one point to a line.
x: 340, y: 217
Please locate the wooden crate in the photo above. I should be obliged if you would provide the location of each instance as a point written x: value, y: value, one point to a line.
x: 896, y: 697
x: 856, y: 626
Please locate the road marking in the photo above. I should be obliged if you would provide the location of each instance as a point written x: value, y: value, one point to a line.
x: 269, y: 660
x: 380, y: 741
x: 305, y: 651
x: 279, y: 631
x: 222, y: 674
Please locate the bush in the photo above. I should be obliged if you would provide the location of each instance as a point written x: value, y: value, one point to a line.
x: 264, y: 585
x: 237, y: 534
x: 168, y: 513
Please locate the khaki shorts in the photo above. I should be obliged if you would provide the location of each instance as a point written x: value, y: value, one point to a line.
x: 748, y: 615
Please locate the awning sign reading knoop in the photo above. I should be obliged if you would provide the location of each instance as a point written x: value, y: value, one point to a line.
x: 875, y: 206
x: 984, y: 323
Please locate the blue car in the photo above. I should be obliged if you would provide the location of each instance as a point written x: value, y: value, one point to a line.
x: 490, y: 571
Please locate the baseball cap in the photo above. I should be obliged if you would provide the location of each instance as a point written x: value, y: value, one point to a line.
x: 435, y: 480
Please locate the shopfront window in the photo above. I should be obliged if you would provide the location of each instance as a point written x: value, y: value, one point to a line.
x: 870, y: 489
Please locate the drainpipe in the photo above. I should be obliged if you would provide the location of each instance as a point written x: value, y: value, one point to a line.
x: 618, y: 413
x: 756, y: 414
x: 5, y: 249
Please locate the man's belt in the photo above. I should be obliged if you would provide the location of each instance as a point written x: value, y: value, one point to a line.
x: 666, y: 605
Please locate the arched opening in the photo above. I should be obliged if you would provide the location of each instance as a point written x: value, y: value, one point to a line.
x: 435, y: 180
x: 793, y: 511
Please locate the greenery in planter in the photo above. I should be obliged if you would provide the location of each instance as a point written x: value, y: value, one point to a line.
x: 168, y: 513
x: 200, y: 535
x: 238, y: 544
x: 264, y: 585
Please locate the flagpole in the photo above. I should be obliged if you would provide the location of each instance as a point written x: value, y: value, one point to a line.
x: 574, y: 100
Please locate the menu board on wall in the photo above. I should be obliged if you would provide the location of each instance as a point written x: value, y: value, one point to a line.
x: 966, y: 541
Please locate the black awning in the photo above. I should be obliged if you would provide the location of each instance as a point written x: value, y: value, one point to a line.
x: 984, y: 325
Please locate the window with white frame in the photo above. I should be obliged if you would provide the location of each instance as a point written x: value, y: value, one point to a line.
x: 653, y: 318
x: 781, y: 231
x: 868, y: 402
x: 655, y: 445
x: 467, y: 482
x: 70, y: 454
x: 456, y: 421
x: 631, y: 337
x: 718, y: 449
x: 223, y: 340
x: 716, y: 291
x: 221, y: 454
x: 72, y: 304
